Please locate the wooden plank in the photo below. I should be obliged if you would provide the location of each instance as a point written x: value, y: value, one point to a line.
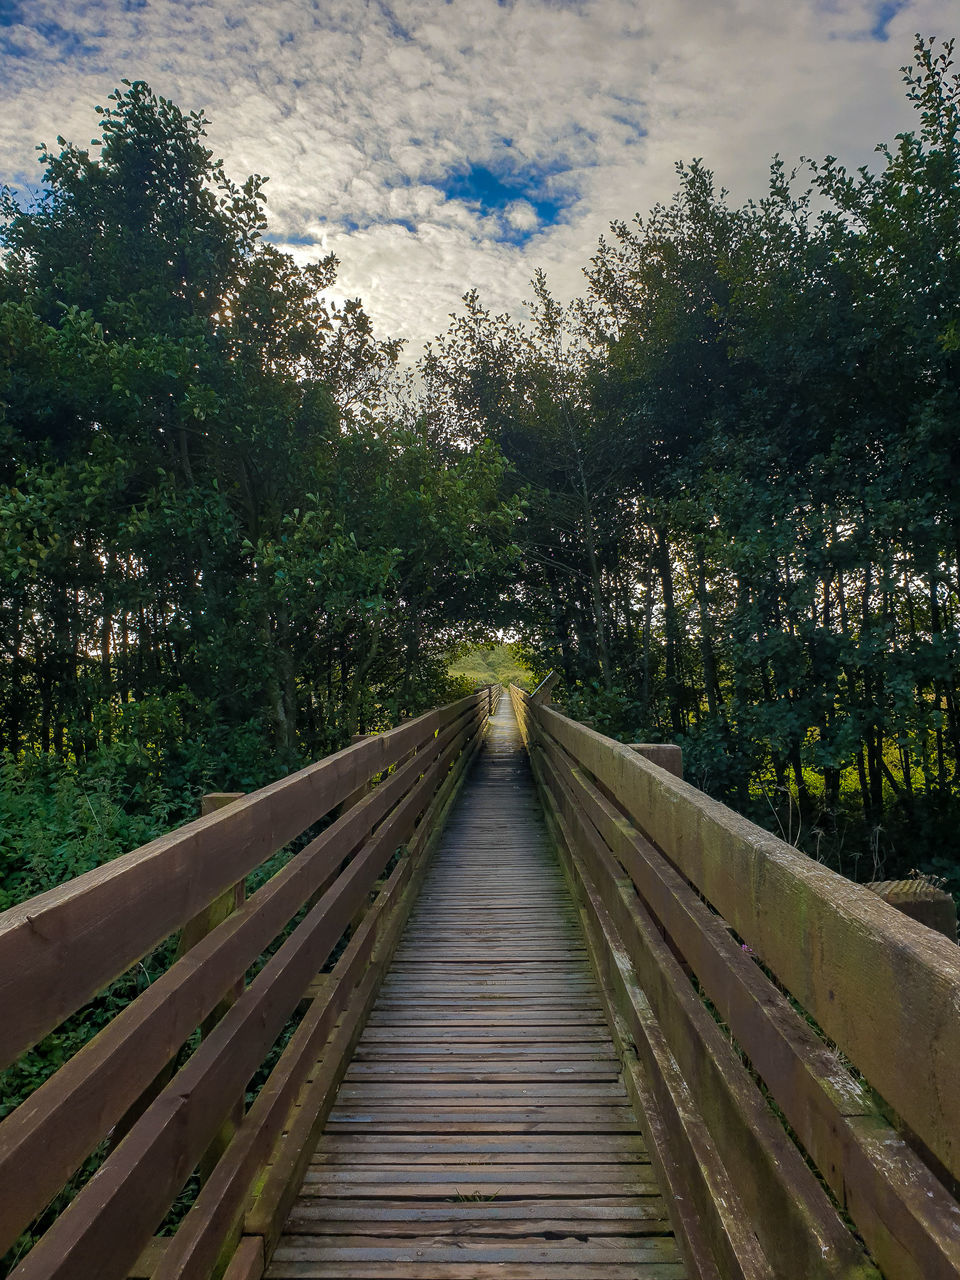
x: 518, y: 1118
x: 333, y: 1157
x: 585, y: 1216
x: 401, y: 1227
x: 483, y: 1127
x: 546, y: 1033
x: 150, y: 1258
x: 428, y: 1073
x: 42, y: 1143
x: 882, y: 987
x: 247, y: 1262
x: 60, y: 948
x: 440, y: 1093
x: 543, y: 1147
x: 905, y: 1214
x: 467, y: 1047
x: 632, y: 1177
x: 456, y: 1015
x: 467, y: 1186
x: 423, y: 1270
x: 636, y: 1250
x: 139, y: 1181
x: 783, y: 1202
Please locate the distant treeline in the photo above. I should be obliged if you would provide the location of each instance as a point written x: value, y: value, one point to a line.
x: 221, y: 552
x: 207, y: 513
x: 740, y: 458
x: 719, y: 493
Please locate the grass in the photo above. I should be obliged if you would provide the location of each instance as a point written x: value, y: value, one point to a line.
x: 491, y: 664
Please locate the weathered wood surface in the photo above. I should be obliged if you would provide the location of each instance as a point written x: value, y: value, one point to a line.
x: 922, y: 901
x: 343, y: 882
x: 912, y: 1217
x: 692, y: 997
x: 61, y: 947
x: 483, y: 1128
x: 666, y: 755
x: 876, y: 983
x: 44, y: 1140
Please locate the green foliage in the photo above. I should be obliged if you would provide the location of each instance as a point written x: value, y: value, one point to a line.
x: 206, y: 513
x: 220, y: 556
x: 57, y: 822
x: 717, y: 494
x: 741, y: 527
x: 491, y: 663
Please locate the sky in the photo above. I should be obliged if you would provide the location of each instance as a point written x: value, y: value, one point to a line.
x: 440, y: 145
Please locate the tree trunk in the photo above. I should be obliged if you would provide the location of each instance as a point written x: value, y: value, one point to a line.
x: 706, y: 637
x: 596, y: 597
x: 647, y: 625
x: 671, y: 679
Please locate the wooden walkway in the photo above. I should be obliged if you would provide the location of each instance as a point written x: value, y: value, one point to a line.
x: 483, y: 1128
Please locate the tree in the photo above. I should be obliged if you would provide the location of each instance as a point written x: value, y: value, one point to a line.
x: 178, y: 398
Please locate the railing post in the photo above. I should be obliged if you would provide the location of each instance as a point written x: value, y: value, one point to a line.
x: 353, y: 799
x: 542, y: 693
x: 217, y: 911
x: 666, y: 754
x: 922, y: 901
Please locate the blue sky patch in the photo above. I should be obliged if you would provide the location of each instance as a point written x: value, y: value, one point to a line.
x: 884, y: 16
x: 69, y: 44
x: 26, y: 187
x: 394, y: 25
x: 488, y: 193
x: 631, y: 114
x: 299, y: 241
x: 884, y: 13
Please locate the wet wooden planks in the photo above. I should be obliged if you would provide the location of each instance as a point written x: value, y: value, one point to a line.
x: 482, y: 1128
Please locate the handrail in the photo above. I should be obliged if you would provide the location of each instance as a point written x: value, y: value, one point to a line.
x: 61, y: 947
x: 58, y: 949
x: 736, y: 964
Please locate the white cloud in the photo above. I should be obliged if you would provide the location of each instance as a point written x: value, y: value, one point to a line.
x: 358, y: 111
x: 521, y: 215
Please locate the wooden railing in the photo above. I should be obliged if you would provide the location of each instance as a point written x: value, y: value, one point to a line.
x: 793, y: 1041
x: 347, y: 885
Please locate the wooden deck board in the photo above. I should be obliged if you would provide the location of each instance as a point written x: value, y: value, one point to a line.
x: 483, y: 1128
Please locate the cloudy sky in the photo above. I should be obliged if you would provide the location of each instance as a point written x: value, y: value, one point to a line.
x: 436, y: 145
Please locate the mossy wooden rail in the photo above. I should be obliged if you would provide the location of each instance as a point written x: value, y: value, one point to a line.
x: 794, y: 1042
x: 61, y: 948
x: 760, y: 1080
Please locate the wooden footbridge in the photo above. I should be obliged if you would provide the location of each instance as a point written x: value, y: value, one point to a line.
x: 466, y: 1027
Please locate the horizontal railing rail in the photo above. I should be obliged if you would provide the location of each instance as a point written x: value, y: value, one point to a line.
x: 251, y: 966
x: 792, y: 1040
